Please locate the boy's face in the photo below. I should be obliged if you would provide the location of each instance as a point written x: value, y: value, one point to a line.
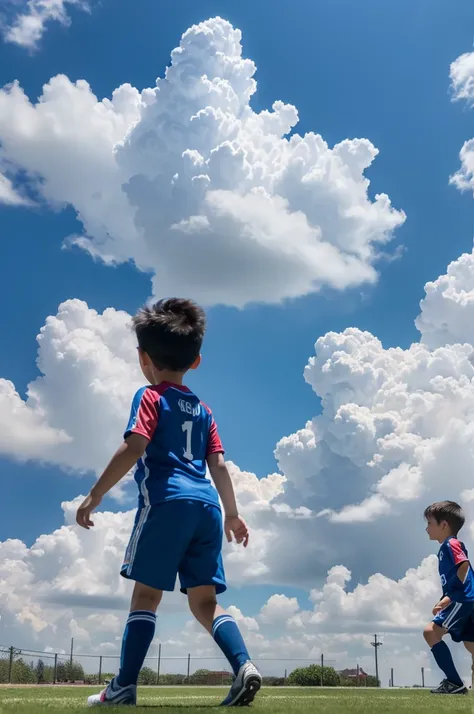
x: 437, y: 531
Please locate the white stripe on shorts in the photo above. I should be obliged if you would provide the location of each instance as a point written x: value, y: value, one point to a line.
x: 134, y: 542
x: 449, y: 620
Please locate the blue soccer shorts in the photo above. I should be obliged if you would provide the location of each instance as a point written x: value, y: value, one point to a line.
x: 177, y: 537
x: 458, y: 620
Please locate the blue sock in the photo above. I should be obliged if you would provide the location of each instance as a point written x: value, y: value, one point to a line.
x: 227, y: 635
x: 137, y: 638
x: 444, y: 660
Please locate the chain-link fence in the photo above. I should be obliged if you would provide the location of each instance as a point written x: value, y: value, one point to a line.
x: 23, y: 666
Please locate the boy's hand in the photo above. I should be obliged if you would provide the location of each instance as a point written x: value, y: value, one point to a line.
x: 83, y: 515
x: 441, y: 605
x: 236, y: 526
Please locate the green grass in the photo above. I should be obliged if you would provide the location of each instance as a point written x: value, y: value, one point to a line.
x: 29, y: 700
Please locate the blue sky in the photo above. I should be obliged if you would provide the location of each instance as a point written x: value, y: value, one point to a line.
x: 371, y: 69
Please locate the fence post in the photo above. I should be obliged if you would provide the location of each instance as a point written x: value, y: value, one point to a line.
x: 286, y: 674
x: 55, y: 671
x: 189, y: 666
x: 322, y: 670
x: 10, y: 665
x: 100, y: 669
x: 423, y: 677
x: 358, y: 675
x: 158, y: 667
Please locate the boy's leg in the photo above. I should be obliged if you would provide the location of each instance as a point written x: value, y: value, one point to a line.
x: 139, y: 633
x: 247, y: 682
x: 202, y: 576
x: 433, y: 635
x: 159, y: 540
x: 470, y: 648
x: 137, y: 638
x: 222, y: 627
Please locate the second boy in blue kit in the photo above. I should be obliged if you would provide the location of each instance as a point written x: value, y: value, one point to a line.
x: 454, y: 613
x: 172, y: 437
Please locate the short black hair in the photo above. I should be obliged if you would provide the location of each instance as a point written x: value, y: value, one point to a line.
x: 171, y: 332
x: 448, y: 511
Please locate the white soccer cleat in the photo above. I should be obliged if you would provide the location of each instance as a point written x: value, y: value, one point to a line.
x: 114, y: 696
x: 246, y: 685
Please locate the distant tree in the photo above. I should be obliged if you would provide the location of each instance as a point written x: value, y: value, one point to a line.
x: 200, y: 676
x: 147, y: 676
x: 23, y: 673
x: 4, y: 667
x: 274, y: 681
x: 39, y: 671
x: 172, y: 679
x: 311, y: 677
x: 66, y: 672
x: 48, y: 674
x: 372, y: 681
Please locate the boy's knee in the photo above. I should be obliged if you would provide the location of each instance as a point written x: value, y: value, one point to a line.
x: 145, y: 598
x: 201, y: 602
x: 432, y: 634
x: 199, y: 606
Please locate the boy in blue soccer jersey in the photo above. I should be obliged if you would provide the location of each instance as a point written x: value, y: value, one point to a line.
x: 171, y: 436
x: 454, y: 613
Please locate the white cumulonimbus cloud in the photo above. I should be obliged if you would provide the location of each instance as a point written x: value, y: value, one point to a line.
x: 214, y: 199
x: 462, y: 77
x: 9, y: 196
x: 462, y: 84
x: 28, y: 26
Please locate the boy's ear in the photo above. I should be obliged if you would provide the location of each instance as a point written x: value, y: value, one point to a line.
x: 143, y: 356
x: 196, y: 362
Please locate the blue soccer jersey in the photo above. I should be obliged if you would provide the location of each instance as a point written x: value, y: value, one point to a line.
x: 451, y: 554
x: 181, y: 433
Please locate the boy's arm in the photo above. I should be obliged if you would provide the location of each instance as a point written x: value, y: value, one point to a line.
x: 123, y: 460
x: 459, y: 558
x: 463, y: 570
x: 442, y: 604
x: 234, y: 524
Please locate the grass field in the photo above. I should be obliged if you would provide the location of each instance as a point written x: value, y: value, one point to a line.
x: 28, y: 700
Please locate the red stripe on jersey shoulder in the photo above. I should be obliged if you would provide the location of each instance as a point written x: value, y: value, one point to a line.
x: 206, y: 408
x: 457, y: 550
x: 214, y: 444
x: 147, y: 415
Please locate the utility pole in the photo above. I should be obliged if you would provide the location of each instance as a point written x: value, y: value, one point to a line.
x: 376, y: 644
x: 158, y: 665
x: 423, y: 677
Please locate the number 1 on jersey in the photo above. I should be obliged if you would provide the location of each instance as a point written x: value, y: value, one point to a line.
x: 188, y: 428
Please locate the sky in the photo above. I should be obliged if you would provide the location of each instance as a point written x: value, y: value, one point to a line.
x: 307, y: 176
